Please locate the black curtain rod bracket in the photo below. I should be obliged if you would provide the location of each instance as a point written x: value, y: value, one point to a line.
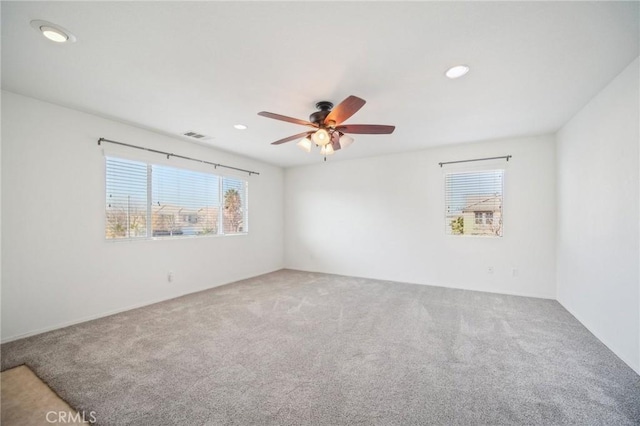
x: 506, y: 157
x: 171, y: 154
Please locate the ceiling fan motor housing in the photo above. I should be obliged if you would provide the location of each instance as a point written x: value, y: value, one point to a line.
x: 324, y: 110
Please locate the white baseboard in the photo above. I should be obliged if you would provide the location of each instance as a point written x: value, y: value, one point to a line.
x: 441, y: 285
x: 119, y: 310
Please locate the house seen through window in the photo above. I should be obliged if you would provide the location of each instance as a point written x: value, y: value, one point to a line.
x: 149, y: 200
x: 473, y: 203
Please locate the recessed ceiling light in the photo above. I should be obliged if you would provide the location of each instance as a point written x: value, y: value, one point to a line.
x: 53, y: 32
x: 457, y: 71
x: 240, y: 126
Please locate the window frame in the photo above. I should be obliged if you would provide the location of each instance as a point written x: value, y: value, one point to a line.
x: 150, y: 163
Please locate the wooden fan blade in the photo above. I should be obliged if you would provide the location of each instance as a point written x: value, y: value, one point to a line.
x: 287, y: 119
x: 345, y: 109
x: 335, y: 141
x: 292, y: 138
x: 366, y: 129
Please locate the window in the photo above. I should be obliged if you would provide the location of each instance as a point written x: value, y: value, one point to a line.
x: 149, y: 200
x: 473, y: 203
x: 478, y: 218
x: 488, y: 218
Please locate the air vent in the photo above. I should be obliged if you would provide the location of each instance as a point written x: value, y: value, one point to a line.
x: 196, y: 135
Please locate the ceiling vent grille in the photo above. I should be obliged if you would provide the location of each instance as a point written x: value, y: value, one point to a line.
x: 196, y: 135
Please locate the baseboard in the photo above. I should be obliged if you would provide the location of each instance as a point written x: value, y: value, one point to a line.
x: 604, y: 341
x: 119, y: 310
x: 441, y: 285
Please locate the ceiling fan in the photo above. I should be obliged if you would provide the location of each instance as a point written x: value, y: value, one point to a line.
x: 329, y: 133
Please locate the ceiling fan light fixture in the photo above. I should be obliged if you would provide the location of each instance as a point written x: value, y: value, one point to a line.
x: 305, y: 144
x: 321, y: 137
x: 345, y: 141
x: 327, y: 150
x: 457, y: 71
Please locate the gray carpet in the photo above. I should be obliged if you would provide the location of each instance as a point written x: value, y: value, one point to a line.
x: 304, y: 348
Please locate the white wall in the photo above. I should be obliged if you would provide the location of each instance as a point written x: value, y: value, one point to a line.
x: 0, y: 222
x: 383, y: 218
x: 598, y: 209
x: 57, y: 267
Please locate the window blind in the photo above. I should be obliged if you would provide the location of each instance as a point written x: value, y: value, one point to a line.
x: 473, y: 203
x: 126, y: 204
x: 184, y: 202
x: 235, y: 205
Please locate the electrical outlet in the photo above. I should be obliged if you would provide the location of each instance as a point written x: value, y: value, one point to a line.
x: 490, y: 270
x: 170, y: 276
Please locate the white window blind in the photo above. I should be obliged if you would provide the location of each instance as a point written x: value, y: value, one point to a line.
x: 235, y: 210
x: 155, y: 201
x: 184, y: 202
x: 473, y: 203
x: 126, y: 204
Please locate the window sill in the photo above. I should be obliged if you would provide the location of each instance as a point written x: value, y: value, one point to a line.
x: 172, y: 238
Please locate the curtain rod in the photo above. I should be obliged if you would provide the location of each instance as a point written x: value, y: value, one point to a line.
x: 476, y: 159
x: 170, y: 154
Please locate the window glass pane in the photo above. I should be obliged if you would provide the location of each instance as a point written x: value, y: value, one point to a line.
x: 183, y: 202
x: 126, y: 203
x: 473, y: 203
x: 234, y: 214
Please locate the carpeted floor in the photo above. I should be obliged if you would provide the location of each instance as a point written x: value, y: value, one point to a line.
x: 304, y: 348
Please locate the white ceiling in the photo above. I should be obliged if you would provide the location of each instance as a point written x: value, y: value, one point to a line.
x: 205, y: 66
